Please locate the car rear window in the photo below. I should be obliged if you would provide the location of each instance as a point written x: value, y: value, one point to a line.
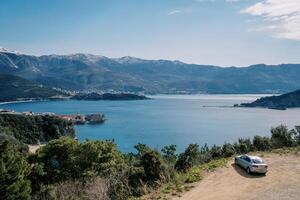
x: 257, y: 161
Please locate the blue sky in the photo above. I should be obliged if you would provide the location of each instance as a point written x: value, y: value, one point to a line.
x: 218, y: 32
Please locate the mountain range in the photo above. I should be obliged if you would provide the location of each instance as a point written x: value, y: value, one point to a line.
x: 128, y: 74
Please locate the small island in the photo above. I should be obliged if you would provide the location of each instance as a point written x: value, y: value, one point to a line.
x: 108, y: 96
x: 281, y: 102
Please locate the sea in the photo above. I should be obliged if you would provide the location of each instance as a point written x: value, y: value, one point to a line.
x: 170, y: 119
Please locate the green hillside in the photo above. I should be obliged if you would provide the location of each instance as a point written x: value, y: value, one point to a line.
x: 17, y: 88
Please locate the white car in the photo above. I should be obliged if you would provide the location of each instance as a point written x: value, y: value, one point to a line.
x: 252, y: 164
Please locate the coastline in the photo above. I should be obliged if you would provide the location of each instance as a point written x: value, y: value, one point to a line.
x: 22, y: 101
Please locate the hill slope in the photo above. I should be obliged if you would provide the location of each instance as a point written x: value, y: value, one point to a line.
x: 85, y: 71
x: 15, y: 88
x: 288, y: 100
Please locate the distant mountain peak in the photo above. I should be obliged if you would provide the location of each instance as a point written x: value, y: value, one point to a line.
x: 129, y: 60
x: 5, y: 50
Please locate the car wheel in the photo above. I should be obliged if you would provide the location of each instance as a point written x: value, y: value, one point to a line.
x: 248, y: 170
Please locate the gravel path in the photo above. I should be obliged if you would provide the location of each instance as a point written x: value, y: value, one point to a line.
x: 281, y: 182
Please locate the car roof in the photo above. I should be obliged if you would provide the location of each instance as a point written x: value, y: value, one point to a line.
x: 254, y: 157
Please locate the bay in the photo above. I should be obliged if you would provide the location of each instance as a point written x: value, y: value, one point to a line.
x: 170, y: 119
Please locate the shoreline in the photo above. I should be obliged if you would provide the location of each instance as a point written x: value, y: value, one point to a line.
x: 22, y: 101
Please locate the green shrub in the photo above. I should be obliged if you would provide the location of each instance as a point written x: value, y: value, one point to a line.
x: 153, y: 166
x: 169, y: 154
x: 59, y: 160
x: 243, y: 146
x: 262, y: 143
x: 188, y: 158
x: 204, y: 155
x: 100, y: 158
x: 194, y: 175
x: 227, y: 150
x: 281, y: 137
x: 14, y: 171
x: 216, y: 152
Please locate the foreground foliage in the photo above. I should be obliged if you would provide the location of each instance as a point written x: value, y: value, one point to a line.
x: 14, y: 171
x: 68, y: 169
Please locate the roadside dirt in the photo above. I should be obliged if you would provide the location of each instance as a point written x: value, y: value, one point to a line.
x: 231, y: 182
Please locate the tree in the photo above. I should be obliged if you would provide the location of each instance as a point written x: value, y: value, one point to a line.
x: 58, y: 160
x: 169, y: 153
x: 100, y: 158
x: 216, y: 152
x: 14, y: 171
x: 281, y: 137
x: 243, y: 145
x: 188, y: 158
x: 262, y: 143
x: 153, y: 166
x: 141, y: 149
x: 227, y: 150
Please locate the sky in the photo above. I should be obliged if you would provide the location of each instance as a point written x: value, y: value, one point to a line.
x: 216, y: 32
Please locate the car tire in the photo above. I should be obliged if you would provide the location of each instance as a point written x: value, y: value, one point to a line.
x: 248, y: 170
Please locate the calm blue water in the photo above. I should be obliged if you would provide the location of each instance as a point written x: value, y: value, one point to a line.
x: 180, y: 119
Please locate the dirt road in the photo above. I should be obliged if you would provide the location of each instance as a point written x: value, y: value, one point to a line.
x: 281, y: 182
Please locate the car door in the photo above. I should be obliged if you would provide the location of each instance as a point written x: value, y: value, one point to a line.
x: 245, y: 161
x: 242, y: 161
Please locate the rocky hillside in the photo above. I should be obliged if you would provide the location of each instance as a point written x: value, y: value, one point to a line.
x: 288, y: 100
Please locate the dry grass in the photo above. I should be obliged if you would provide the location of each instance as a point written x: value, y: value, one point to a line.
x: 95, y: 190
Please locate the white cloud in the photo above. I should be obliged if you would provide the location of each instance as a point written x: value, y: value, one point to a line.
x: 174, y: 12
x: 281, y: 17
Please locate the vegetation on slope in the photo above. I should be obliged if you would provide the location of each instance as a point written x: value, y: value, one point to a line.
x: 68, y: 169
x: 288, y: 100
x: 34, y: 129
x: 14, y: 88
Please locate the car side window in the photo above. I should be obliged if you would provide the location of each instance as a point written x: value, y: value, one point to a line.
x: 248, y: 159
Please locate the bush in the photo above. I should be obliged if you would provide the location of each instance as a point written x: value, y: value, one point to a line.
x: 243, y: 146
x: 94, y: 189
x: 14, y: 171
x: 100, y: 158
x: 227, y: 150
x: 281, y: 137
x: 262, y: 143
x: 216, y: 152
x: 296, y: 133
x: 169, y: 154
x: 204, y: 155
x: 58, y: 160
x: 194, y: 175
x: 188, y: 158
x: 153, y: 166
